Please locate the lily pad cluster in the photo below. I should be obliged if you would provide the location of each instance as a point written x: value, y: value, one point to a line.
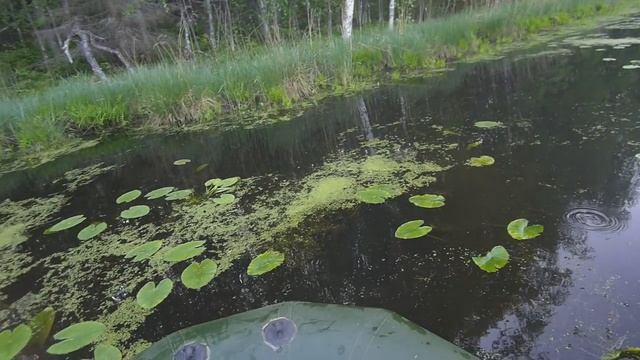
x: 221, y: 188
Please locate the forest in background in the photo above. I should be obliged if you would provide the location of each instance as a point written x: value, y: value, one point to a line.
x: 72, y: 68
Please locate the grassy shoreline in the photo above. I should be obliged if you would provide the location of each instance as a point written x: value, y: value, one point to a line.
x: 278, y: 78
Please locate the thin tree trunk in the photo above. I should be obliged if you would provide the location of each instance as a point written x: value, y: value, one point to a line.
x: 329, y: 19
x: 85, y: 48
x: 211, y: 26
x: 264, y: 24
x: 392, y: 13
x: 347, y: 19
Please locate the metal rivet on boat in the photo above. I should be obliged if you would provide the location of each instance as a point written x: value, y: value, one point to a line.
x: 279, y: 332
x: 193, y: 351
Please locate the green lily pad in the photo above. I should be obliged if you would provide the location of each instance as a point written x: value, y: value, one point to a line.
x: 495, y: 259
x: 135, y: 212
x: 228, y: 182
x: 225, y: 199
x: 181, y: 162
x: 144, y: 251
x: 488, y: 124
x: 150, y: 295
x: 484, y: 160
x: 412, y: 230
x: 12, y: 342
x: 91, y: 231
x: 65, y: 224
x: 41, y: 325
x: 76, y: 337
x: 265, y: 262
x: 184, y: 251
x: 519, y: 230
x: 128, y: 196
x: 376, y: 194
x: 158, y: 193
x: 106, y: 352
x: 199, y: 274
x: 179, y: 195
x: 429, y: 201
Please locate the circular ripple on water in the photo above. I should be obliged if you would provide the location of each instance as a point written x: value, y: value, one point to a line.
x: 592, y: 219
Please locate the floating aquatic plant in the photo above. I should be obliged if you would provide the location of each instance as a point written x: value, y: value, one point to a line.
x: 158, y: 193
x: 216, y: 185
x: 609, y: 59
x: 519, y: 229
x: 428, y: 201
x: 106, y: 352
x: 488, y: 124
x: 65, y: 224
x: 76, y: 337
x: 199, y: 274
x: 265, y: 262
x: 631, y: 67
x: 495, y: 259
x: 41, y: 325
x: 128, y: 197
x: 225, y: 199
x: 484, y: 160
x: 474, y: 144
x: 181, y: 162
x: 184, y: 251
x: 412, y: 230
x: 179, y: 195
x: 144, y: 251
x: 135, y: 212
x: 91, y: 231
x: 13, y: 341
x: 620, y: 354
x: 376, y: 194
x: 150, y: 295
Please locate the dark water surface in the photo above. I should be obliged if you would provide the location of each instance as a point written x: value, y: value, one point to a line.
x: 565, y: 159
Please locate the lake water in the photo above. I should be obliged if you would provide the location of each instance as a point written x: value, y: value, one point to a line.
x: 565, y: 158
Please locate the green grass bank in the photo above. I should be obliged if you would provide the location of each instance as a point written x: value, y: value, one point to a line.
x: 273, y: 78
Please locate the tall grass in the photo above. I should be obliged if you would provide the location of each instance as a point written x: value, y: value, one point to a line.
x: 276, y: 76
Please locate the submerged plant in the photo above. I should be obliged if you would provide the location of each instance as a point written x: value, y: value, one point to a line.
x: 519, y: 229
x: 135, y: 212
x: 106, y: 352
x: 76, y: 337
x: 199, y: 274
x: 158, y: 193
x: 144, y: 251
x: 428, y: 201
x: 265, y: 262
x: 150, y: 295
x: 91, y: 231
x: 484, y: 160
x: 128, y: 196
x: 495, y: 259
x: 412, y: 230
x: 65, y: 224
x: 184, y: 251
x: 13, y: 341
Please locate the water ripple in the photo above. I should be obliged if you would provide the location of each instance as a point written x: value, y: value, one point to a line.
x: 593, y: 220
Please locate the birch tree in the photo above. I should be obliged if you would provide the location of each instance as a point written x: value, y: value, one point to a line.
x: 392, y: 13
x: 347, y: 19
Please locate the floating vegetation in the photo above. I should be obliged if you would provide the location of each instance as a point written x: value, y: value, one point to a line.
x: 474, y: 144
x: 428, y: 201
x: 519, y: 229
x: 225, y: 199
x: 216, y: 186
x: 79, y: 177
x: 13, y: 341
x: 92, y: 230
x: 376, y: 194
x: 412, y: 230
x: 181, y: 162
x: 158, y: 193
x: 495, y: 259
x: 135, y: 212
x: 488, y: 124
x: 199, y: 274
x: 144, y: 251
x: 184, y: 251
x: 603, y: 41
x: 128, y: 196
x: 265, y: 262
x: 621, y: 354
x: 41, y: 325
x: 66, y: 224
x: 484, y: 160
x: 150, y: 295
x: 12, y: 235
x: 179, y: 195
x: 608, y: 59
x: 106, y: 352
x: 201, y: 167
x: 76, y: 336
x: 631, y: 67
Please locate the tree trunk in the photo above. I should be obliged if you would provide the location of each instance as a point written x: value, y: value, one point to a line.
x: 392, y: 13
x: 85, y: 48
x: 212, y: 30
x: 264, y: 24
x: 329, y: 19
x: 347, y: 19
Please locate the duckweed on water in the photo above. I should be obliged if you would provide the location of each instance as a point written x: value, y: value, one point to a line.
x: 76, y: 178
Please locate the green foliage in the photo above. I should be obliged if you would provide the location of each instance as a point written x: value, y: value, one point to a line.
x: 128, y: 196
x: 197, y: 275
x: 184, y: 251
x: 484, y: 160
x: 106, y: 352
x: 225, y: 199
x: 495, y: 259
x: 181, y: 162
x: 519, y: 229
x: 179, y: 195
x: 158, y: 193
x: 41, y: 324
x: 412, y: 230
x: 428, y: 201
x: 376, y: 194
x: 91, y: 231
x: 620, y: 354
x: 66, y: 224
x: 488, y: 124
x: 76, y: 337
x: 144, y: 251
x: 13, y: 341
x: 265, y: 262
x: 150, y: 295
x: 135, y: 212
